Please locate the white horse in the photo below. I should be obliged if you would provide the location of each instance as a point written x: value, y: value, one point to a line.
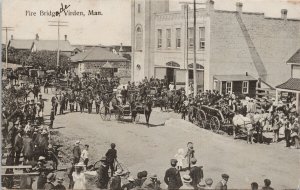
x: 244, y: 124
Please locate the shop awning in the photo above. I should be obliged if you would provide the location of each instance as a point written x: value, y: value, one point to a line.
x: 292, y: 84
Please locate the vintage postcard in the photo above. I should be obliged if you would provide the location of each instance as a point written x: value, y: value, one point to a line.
x: 150, y: 94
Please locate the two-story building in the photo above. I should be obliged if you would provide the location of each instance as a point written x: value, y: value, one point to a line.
x: 228, y: 43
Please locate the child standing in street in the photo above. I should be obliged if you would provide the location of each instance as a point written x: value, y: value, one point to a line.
x: 179, y: 157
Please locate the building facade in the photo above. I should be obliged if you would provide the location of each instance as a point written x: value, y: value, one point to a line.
x: 227, y: 43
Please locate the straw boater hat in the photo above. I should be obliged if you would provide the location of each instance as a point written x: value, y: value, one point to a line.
x: 153, y: 176
x: 41, y: 158
x: 208, y: 181
x: 80, y: 164
x: 186, y: 178
x: 77, y: 142
x: 103, y: 159
x: 44, y: 132
x: 119, y: 172
x: 60, y: 180
x: 131, y: 179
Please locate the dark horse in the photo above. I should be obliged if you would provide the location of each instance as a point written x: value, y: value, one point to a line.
x: 148, y: 109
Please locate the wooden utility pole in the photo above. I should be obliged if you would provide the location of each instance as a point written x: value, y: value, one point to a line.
x: 6, y: 29
x: 58, y: 24
x: 194, y: 47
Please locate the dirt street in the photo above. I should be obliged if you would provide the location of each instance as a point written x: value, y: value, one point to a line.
x: 142, y: 148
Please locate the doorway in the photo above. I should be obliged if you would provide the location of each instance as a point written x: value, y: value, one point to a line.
x: 170, y: 75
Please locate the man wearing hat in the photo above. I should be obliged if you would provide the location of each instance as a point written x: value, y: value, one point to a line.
x: 130, y: 184
x: 172, y: 176
x: 111, y: 156
x: 42, y: 103
x: 222, y: 185
x: 267, y: 185
x: 152, y: 183
x: 8, y: 181
x: 186, y: 182
x: 18, y: 145
x: 196, y: 173
x: 116, y: 180
x: 76, y: 152
x: 60, y: 185
x: 102, y: 172
x: 28, y: 146
x: 42, y: 179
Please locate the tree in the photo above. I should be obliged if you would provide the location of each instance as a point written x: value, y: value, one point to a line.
x: 47, y: 60
x: 15, y: 56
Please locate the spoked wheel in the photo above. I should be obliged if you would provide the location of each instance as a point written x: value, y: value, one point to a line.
x: 204, y: 119
x: 215, y: 124
x: 105, y: 114
x: 119, y: 115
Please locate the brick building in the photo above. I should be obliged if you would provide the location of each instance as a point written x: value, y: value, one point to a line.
x: 100, y: 60
x: 227, y: 43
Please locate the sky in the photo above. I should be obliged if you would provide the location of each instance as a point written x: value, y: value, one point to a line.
x: 114, y: 25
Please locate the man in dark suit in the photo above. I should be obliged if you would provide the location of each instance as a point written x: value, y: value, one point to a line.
x: 111, y: 156
x: 196, y: 173
x: 103, y: 177
x: 172, y: 176
x: 222, y: 185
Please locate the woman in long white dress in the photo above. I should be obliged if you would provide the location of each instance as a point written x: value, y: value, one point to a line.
x: 79, y: 177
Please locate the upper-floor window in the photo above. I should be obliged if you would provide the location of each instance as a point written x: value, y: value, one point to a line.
x: 191, y: 37
x: 178, y: 37
x: 139, y: 8
x: 202, y: 37
x: 139, y: 38
x: 159, y: 38
x: 168, y: 38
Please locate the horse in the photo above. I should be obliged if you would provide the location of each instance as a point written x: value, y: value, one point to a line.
x: 148, y: 109
x: 243, y: 123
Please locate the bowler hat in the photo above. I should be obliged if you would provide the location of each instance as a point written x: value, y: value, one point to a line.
x: 193, y: 160
x: 225, y: 176
x: 130, y: 178
x: 103, y: 158
x: 173, y: 161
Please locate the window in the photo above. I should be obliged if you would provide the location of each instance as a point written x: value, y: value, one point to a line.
x: 202, y: 37
x: 115, y: 70
x: 191, y: 74
x: 139, y: 8
x: 168, y: 38
x: 228, y: 87
x: 191, y: 37
x: 159, y: 38
x: 245, y: 87
x: 139, y: 38
x: 178, y: 37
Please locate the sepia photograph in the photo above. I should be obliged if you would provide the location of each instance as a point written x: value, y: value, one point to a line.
x: 150, y: 94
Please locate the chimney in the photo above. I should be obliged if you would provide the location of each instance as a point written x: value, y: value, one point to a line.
x: 239, y: 7
x: 37, y: 37
x: 121, y: 48
x: 210, y: 5
x: 284, y: 14
x: 12, y: 37
x: 66, y: 37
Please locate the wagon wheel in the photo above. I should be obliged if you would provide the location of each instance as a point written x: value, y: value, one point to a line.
x: 200, y: 119
x: 119, y: 114
x: 215, y: 124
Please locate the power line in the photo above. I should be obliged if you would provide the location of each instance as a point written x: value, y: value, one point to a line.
x: 58, y: 24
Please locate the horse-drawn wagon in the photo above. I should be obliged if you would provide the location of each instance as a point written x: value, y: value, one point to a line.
x: 214, y: 118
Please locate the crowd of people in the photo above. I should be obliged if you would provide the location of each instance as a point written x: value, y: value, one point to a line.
x: 26, y: 135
